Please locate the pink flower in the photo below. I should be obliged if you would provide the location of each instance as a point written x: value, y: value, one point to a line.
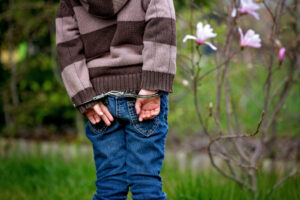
x: 247, y: 7
x: 185, y: 82
x: 203, y: 33
x: 250, y: 39
x: 281, y: 54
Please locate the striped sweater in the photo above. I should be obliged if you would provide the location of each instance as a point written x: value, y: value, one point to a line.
x: 122, y: 45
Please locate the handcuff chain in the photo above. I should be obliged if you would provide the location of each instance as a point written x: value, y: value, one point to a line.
x: 119, y: 93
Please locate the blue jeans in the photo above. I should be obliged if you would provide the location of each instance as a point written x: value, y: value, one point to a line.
x: 129, y: 153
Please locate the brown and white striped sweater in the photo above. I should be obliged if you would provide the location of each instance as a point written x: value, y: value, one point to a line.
x: 122, y: 45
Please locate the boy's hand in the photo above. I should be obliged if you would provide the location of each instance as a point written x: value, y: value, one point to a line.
x: 99, y: 112
x: 147, y: 108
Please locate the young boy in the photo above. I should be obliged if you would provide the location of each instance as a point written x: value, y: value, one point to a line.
x: 125, y: 46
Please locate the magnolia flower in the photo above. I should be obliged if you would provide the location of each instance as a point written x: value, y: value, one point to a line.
x: 247, y: 7
x: 250, y: 39
x: 185, y: 82
x: 203, y: 33
x: 281, y: 54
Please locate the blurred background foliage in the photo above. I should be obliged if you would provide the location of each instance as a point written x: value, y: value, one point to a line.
x: 34, y: 102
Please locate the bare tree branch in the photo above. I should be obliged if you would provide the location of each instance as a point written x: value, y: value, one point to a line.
x: 279, y: 183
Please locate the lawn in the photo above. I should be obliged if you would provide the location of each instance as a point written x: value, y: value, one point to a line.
x: 34, y: 177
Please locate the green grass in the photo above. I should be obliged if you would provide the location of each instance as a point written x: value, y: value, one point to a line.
x: 52, y: 177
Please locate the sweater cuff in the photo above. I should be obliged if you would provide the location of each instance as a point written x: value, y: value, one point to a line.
x: 153, y: 80
x: 83, y: 96
x: 82, y: 109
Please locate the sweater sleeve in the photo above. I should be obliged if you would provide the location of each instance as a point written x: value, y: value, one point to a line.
x: 159, y: 39
x: 71, y: 57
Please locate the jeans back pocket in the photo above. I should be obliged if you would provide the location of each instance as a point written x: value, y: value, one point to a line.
x: 101, y: 126
x: 98, y: 128
x: 145, y: 127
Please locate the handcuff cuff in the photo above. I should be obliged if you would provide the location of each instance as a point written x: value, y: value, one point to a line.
x: 119, y: 93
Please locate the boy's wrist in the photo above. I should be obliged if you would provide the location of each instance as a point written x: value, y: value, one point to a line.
x: 145, y: 91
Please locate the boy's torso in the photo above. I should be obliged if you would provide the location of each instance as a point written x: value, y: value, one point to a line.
x: 112, y: 42
x: 133, y: 49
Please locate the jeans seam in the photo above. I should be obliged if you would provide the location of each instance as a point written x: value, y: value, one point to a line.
x: 117, y: 107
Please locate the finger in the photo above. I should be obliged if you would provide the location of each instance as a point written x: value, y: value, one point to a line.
x: 153, y: 114
x: 148, y: 114
x: 138, y: 106
x: 144, y: 114
x: 106, y: 120
x: 141, y: 116
x: 155, y: 111
x: 98, y: 110
x: 97, y: 118
x: 92, y: 119
x: 107, y: 113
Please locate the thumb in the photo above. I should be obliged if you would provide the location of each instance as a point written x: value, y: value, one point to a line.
x: 138, y: 106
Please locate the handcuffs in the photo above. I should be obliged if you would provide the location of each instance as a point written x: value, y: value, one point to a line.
x: 119, y: 93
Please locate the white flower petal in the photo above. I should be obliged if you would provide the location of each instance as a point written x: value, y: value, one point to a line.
x: 248, y: 6
x: 187, y: 37
x: 250, y: 39
x: 211, y: 46
x: 233, y: 13
x: 254, y: 14
x: 241, y: 33
x: 204, y: 32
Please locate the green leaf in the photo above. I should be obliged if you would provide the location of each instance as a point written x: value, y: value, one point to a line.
x: 22, y: 50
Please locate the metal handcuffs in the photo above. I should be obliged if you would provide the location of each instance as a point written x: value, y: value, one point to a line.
x: 119, y: 93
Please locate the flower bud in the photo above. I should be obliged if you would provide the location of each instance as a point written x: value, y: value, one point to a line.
x: 281, y: 54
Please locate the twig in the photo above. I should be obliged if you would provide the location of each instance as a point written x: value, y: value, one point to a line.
x: 277, y: 89
x: 269, y: 11
x: 218, y: 66
x: 231, y: 160
x: 221, y: 137
x: 279, y: 183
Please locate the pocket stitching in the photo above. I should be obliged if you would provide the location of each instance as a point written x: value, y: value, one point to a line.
x: 95, y: 130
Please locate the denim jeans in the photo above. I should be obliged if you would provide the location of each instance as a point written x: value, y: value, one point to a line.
x: 129, y: 153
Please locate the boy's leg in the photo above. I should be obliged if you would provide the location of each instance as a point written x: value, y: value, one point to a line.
x: 110, y: 156
x: 145, y: 152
